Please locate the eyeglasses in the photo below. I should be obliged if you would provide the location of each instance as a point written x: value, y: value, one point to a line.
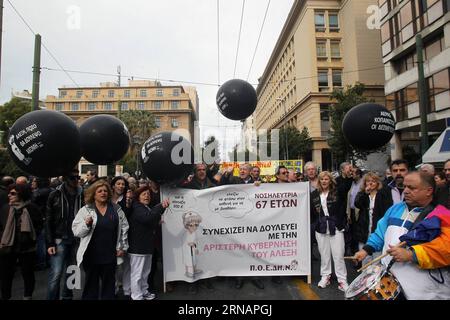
x: 193, y: 225
x: 12, y: 193
x: 74, y: 177
x: 284, y: 172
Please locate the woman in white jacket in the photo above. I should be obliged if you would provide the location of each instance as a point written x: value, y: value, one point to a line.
x: 102, y: 228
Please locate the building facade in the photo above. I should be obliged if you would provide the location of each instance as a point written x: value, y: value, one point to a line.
x: 401, y: 21
x: 174, y: 107
x: 324, y: 45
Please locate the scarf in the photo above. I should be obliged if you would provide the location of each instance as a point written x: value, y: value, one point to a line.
x: 26, y: 225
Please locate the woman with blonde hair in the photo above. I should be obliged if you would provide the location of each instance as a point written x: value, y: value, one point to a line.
x: 328, y: 217
x: 102, y: 228
x: 372, y: 201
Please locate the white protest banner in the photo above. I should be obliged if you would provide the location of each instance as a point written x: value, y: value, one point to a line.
x: 236, y: 230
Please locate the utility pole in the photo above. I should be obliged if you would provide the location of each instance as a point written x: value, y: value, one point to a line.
x: 286, y: 151
x: 119, y: 107
x: 36, y: 72
x: 423, y: 97
x: 285, y: 130
x: 1, y: 35
x: 118, y: 75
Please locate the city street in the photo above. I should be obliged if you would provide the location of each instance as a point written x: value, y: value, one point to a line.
x: 291, y: 288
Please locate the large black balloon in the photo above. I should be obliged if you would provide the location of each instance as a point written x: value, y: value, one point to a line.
x: 104, y: 139
x: 236, y: 99
x: 167, y: 158
x: 45, y: 143
x: 368, y: 126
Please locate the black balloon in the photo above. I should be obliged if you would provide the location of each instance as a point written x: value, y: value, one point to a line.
x: 104, y: 139
x: 45, y: 143
x: 167, y: 158
x: 368, y: 126
x: 236, y: 99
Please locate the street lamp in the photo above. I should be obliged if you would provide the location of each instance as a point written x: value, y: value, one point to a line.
x: 286, y: 151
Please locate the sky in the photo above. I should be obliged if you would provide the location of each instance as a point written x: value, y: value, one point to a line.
x: 169, y: 40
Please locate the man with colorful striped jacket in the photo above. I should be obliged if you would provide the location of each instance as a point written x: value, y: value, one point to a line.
x: 423, y: 270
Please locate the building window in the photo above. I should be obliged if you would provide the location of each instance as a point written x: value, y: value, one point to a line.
x: 107, y: 106
x: 63, y: 94
x: 92, y: 106
x: 110, y: 93
x: 95, y: 93
x: 335, y: 49
x: 439, y: 86
x: 174, y: 104
x: 157, y: 105
x: 324, y: 119
x: 390, y: 102
x: 159, y: 92
x: 124, y: 106
x: 174, y: 123
x: 79, y: 93
x: 176, y: 92
x: 319, y: 20
x: 59, y: 106
x: 401, y: 112
x: 333, y: 21
x: 75, y: 106
x: 337, y: 78
x: 126, y: 93
x: 411, y: 94
x: 384, y: 8
x: 141, y: 105
x: 157, y: 122
x: 323, y: 78
x: 321, y: 48
x: 434, y: 47
x: 143, y: 93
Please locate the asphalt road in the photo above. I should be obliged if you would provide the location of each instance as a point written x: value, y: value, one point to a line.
x: 291, y: 288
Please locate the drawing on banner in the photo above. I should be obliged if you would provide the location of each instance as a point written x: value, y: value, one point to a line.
x: 191, y: 221
x: 294, y: 265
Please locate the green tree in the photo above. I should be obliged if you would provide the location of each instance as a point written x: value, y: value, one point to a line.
x: 140, y: 125
x: 346, y: 99
x: 7, y: 165
x: 10, y: 112
x: 298, y: 142
x: 236, y: 154
x: 211, y: 146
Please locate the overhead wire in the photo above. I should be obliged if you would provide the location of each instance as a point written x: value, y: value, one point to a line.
x: 239, y: 38
x: 43, y: 44
x: 197, y: 82
x: 259, y: 37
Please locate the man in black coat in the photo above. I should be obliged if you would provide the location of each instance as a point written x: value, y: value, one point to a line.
x: 62, y: 206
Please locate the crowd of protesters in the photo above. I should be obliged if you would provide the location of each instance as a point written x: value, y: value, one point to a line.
x: 111, y: 227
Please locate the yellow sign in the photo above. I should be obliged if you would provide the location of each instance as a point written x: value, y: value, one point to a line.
x: 267, y: 167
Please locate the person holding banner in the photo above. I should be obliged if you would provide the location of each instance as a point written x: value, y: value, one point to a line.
x: 144, y: 221
x: 244, y: 178
x: 200, y: 181
x: 328, y: 216
x: 255, y: 173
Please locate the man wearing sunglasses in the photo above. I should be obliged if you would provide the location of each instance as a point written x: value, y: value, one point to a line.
x: 282, y: 174
x: 62, y: 207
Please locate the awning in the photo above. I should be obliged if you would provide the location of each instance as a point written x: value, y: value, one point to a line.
x: 440, y: 150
